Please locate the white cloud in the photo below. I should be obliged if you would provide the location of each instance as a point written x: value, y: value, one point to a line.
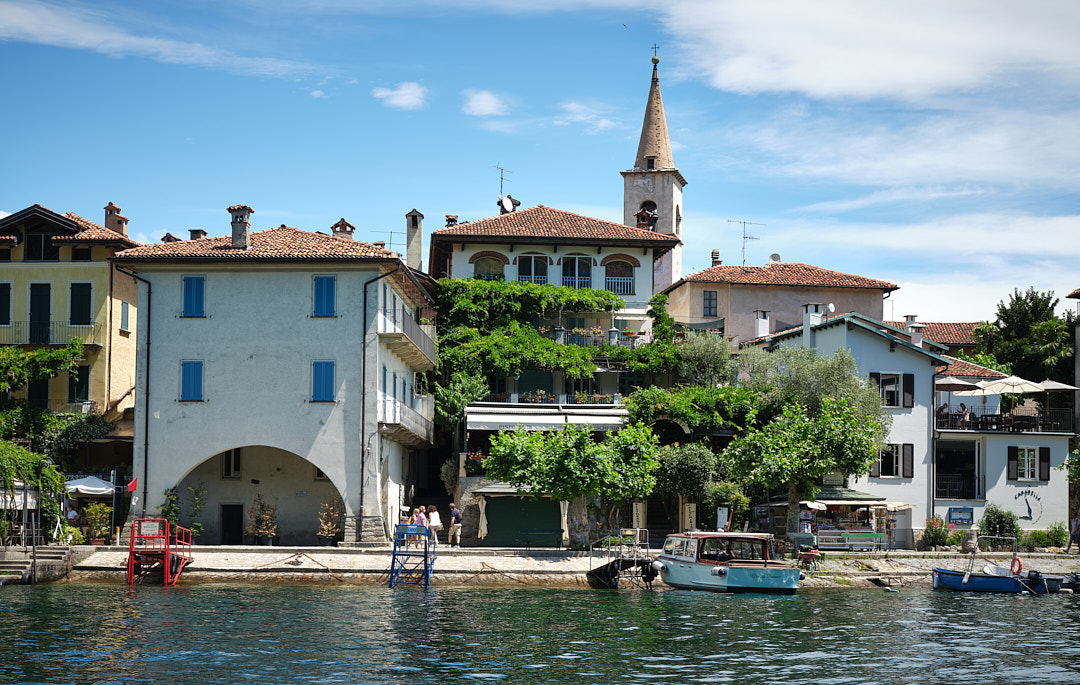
x: 891, y: 196
x: 483, y: 103
x: 318, y: 94
x: 3, y: 214
x: 851, y: 48
x: 66, y: 26
x: 579, y: 113
x: 407, y: 95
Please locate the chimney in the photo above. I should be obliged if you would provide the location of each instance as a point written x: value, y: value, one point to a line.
x: 761, y: 322
x: 451, y: 220
x: 810, y: 318
x: 380, y: 243
x: 241, y: 226
x: 909, y: 321
x: 915, y: 331
x: 716, y: 258
x: 343, y: 230
x: 113, y: 220
x: 414, y: 239
x: 197, y: 233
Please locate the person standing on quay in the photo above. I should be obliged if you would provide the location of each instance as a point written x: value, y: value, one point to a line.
x: 1074, y: 533
x: 434, y: 522
x: 455, y: 525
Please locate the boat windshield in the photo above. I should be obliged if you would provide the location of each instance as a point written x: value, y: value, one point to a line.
x: 719, y: 549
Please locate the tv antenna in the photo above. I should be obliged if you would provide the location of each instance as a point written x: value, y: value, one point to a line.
x: 502, y: 177
x: 745, y: 237
x: 391, y: 241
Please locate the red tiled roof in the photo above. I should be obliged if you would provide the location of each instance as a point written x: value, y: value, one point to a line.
x: 283, y: 243
x: 963, y: 369
x: 1074, y: 294
x: 545, y: 223
x: 951, y: 333
x: 92, y: 232
x: 783, y: 273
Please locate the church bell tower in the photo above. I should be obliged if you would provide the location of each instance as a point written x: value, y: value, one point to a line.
x: 652, y: 190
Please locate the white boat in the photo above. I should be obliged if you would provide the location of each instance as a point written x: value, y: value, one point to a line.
x: 725, y: 562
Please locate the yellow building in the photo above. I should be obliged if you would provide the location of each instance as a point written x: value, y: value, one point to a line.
x: 56, y: 284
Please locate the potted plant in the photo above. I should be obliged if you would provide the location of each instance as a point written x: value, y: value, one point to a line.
x: 97, y: 516
x: 330, y: 516
x: 262, y: 520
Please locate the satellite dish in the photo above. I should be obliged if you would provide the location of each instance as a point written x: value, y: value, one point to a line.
x: 506, y: 204
x: 774, y: 257
x: 832, y: 307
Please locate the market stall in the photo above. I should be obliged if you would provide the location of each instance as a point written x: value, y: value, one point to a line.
x: 837, y: 524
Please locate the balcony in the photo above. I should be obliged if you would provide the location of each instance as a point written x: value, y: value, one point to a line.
x: 964, y: 486
x: 538, y: 280
x: 58, y: 406
x: 403, y: 425
x: 1017, y: 421
x: 49, y: 333
x: 407, y: 339
x: 577, y: 282
x: 544, y: 397
x: 620, y: 285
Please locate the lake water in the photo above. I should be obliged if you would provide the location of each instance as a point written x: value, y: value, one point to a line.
x: 346, y: 634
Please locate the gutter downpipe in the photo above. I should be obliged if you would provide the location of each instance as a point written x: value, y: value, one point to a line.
x: 363, y: 389
x: 146, y: 390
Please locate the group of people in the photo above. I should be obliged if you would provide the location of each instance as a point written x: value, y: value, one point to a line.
x: 429, y: 516
x: 963, y: 416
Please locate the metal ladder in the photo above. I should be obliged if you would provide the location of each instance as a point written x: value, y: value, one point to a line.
x: 414, y: 555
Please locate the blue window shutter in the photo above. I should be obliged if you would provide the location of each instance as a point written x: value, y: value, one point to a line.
x: 124, y: 315
x: 191, y: 381
x: 193, y: 295
x: 324, y: 295
x: 322, y: 381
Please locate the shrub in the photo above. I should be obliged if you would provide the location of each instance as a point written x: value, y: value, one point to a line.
x: 98, y: 515
x: 955, y: 538
x: 998, y: 521
x: 1057, y: 534
x: 1035, y: 538
x: 937, y: 531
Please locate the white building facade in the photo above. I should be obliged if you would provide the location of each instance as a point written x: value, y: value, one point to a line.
x: 279, y: 363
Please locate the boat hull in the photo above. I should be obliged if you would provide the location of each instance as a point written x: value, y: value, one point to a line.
x: 947, y: 579
x: 718, y: 578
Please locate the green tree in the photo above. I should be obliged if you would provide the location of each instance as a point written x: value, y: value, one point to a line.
x: 20, y: 367
x: 1029, y: 336
x: 20, y: 464
x: 686, y: 470
x: 571, y: 467
x: 797, y: 449
x: 705, y: 359
x: 701, y: 409
x: 451, y: 400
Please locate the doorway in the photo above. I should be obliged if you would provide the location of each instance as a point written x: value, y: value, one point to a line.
x: 232, y: 524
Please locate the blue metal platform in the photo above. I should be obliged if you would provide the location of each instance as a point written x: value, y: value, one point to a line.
x: 414, y: 555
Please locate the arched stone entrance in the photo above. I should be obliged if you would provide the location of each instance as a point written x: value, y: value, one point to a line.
x: 293, y: 486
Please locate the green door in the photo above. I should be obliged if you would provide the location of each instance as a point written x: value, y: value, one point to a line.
x: 507, y: 516
x: 40, y: 312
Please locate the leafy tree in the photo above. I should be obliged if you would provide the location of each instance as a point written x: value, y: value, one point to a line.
x: 170, y: 508
x: 705, y: 359
x: 725, y: 493
x: 797, y: 449
x: 1028, y: 335
x: 20, y: 464
x: 1000, y: 522
x: 570, y: 466
x: 701, y: 409
x: 20, y: 367
x: 686, y: 470
x: 64, y: 438
x: 451, y: 400
x: 985, y: 359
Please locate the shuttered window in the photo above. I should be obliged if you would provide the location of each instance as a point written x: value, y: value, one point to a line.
x: 325, y: 288
x: 79, y: 384
x: 125, y: 315
x: 80, y: 304
x: 897, y: 461
x: 5, y: 304
x: 322, y: 381
x: 191, y: 381
x: 194, y: 287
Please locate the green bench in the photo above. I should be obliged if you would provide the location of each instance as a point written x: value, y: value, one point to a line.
x: 531, y: 534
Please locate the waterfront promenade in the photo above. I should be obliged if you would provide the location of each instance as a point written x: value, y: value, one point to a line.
x: 482, y: 566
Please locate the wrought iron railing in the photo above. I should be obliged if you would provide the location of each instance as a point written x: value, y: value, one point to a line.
x: 49, y: 333
x: 1017, y: 421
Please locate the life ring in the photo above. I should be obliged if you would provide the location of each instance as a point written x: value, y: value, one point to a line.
x: 1017, y: 566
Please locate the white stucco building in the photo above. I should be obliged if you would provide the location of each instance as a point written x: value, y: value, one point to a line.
x: 279, y: 362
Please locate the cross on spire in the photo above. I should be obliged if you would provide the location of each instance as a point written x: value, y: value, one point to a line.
x: 655, y: 47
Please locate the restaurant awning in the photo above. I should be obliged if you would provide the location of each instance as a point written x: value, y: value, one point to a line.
x: 89, y: 485
x: 539, y: 418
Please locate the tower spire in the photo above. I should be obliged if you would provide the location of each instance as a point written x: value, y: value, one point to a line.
x: 654, y: 148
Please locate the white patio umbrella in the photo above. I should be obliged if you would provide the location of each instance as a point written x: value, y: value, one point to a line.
x: 1054, y: 386
x: 952, y: 383
x: 1002, y: 386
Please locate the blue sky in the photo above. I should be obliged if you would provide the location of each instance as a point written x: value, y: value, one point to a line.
x: 929, y: 144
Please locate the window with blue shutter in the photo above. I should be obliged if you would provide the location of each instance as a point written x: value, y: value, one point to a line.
x: 325, y: 287
x: 193, y: 295
x: 125, y: 306
x: 191, y: 381
x: 322, y: 381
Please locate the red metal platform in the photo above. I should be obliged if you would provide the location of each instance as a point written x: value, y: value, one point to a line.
x: 154, y: 550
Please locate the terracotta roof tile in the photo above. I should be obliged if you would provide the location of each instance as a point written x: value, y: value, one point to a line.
x: 276, y: 243
x: 950, y: 333
x: 542, y: 222
x: 963, y: 369
x: 1074, y: 294
x: 783, y: 273
x: 92, y: 232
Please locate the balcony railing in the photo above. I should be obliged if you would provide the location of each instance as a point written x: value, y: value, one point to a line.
x: 620, y: 285
x: 58, y: 406
x: 49, y: 333
x: 577, y: 282
x: 960, y: 486
x: 407, y: 339
x: 404, y: 425
x: 543, y: 397
x: 539, y: 280
x: 1017, y: 421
